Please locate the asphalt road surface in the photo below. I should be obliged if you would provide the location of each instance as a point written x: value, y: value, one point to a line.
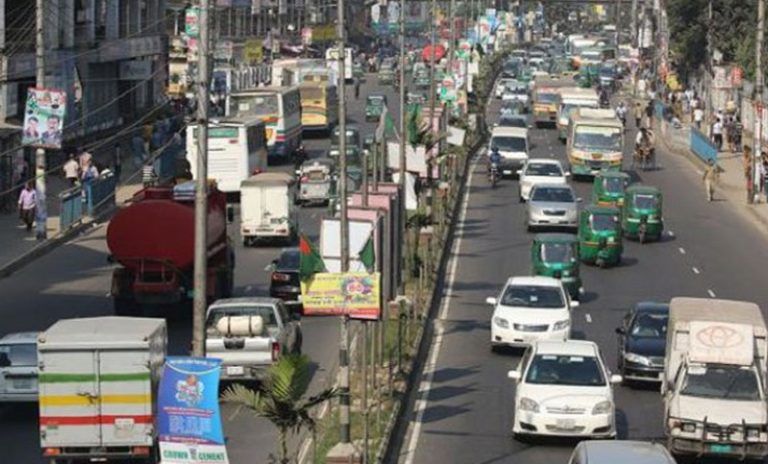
x: 464, y: 409
x: 74, y: 281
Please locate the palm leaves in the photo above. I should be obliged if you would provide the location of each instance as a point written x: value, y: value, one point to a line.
x: 280, y: 398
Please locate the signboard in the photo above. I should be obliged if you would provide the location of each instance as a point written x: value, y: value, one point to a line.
x: 415, y: 159
x: 192, y: 22
x: 737, y: 75
x: 356, y: 294
x: 720, y: 79
x: 325, y: 33
x: 253, y: 51
x: 44, y: 118
x: 456, y: 136
x: 135, y: 70
x: 188, y: 417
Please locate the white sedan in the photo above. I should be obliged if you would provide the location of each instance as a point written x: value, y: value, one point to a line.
x: 564, y: 389
x: 540, y: 171
x: 529, y: 309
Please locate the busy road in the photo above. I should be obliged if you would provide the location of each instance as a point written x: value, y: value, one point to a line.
x: 464, y: 408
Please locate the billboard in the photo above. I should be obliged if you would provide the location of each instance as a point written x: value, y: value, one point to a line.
x: 356, y: 294
x: 44, y: 118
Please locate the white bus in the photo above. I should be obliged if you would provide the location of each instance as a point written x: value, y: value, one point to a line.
x: 236, y: 150
x: 332, y: 61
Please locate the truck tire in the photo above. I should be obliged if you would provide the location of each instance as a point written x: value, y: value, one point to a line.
x: 126, y: 307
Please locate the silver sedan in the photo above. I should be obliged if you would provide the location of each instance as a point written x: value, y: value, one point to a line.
x: 552, y: 206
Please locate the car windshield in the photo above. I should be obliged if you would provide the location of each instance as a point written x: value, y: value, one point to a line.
x: 597, y: 138
x: 649, y: 325
x: 243, y: 106
x: 516, y: 90
x: 21, y: 354
x: 353, y: 138
x: 513, y: 122
x: 614, y: 184
x: 721, y: 381
x: 557, y: 252
x: 532, y: 296
x: 376, y: 99
x: 644, y: 201
x: 577, y: 371
x: 509, y: 143
x: 289, y: 259
x: 546, y: 97
x: 552, y: 194
x: 603, y: 222
x: 266, y: 312
x: 543, y: 169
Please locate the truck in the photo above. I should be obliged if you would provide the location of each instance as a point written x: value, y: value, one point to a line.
x: 267, y: 208
x: 713, y: 383
x: 98, y: 388
x: 153, y: 241
x: 250, y: 334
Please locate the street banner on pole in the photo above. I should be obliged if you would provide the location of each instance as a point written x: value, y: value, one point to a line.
x: 44, y: 118
x: 188, y: 417
x: 192, y: 22
x: 356, y: 294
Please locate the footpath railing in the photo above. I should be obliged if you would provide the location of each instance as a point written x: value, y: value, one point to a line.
x: 87, y: 200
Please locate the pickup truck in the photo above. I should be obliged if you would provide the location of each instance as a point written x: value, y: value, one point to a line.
x: 250, y: 334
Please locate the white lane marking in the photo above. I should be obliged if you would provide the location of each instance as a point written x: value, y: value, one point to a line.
x: 695, y: 270
x: 711, y: 293
x: 682, y: 250
x: 588, y: 317
x: 429, y: 368
x: 670, y: 233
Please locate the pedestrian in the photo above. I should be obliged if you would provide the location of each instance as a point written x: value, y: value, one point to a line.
x: 638, y: 112
x: 764, y: 162
x: 698, y: 117
x: 137, y: 147
x: 746, y: 162
x: 711, y: 176
x: 90, y: 174
x: 148, y: 176
x: 760, y: 178
x: 357, y: 88
x: 117, y: 162
x: 85, y: 159
x: 27, y: 203
x: 717, y: 134
x: 71, y: 170
x: 649, y: 113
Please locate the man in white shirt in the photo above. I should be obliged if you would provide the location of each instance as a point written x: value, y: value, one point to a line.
x: 698, y: 117
x: 71, y: 170
x: 717, y: 133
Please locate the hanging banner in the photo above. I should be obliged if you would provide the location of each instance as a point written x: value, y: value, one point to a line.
x: 253, y: 51
x: 44, y: 118
x: 188, y: 417
x: 356, y: 294
x: 192, y: 22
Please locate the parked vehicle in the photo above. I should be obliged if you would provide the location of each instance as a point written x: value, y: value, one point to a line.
x: 529, y: 309
x: 642, y: 342
x: 641, y: 216
x: 153, y: 240
x: 250, y: 334
x: 540, y: 171
x: 714, y: 379
x: 18, y: 367
x: 267, y: 209
x: 564, y: 389
x: 623, y: 451
x: 98, y: 388
x: 284, y: 280
x: 552, y: 206
x: 600, y: 236
x: 513, y: 146
x: 608, y: 188
x: 557, y: 255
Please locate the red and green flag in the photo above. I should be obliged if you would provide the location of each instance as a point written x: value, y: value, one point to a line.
x: 310, y: 261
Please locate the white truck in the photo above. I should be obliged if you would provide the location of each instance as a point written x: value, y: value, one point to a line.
x: 267, y: 208
x: 714, y: 379
x: 249, y: 334
x: 97, y: 384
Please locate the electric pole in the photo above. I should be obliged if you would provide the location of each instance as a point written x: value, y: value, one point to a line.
x: 618, y: 20
x: 403, y: 135
x: 40, y: 164
x: 759, y: 83
x: 633, y: 17
x: 433, y: 41
x: 201, y: 189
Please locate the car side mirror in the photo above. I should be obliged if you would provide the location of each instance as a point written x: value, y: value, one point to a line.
x: 574, y: 304
x: 491, y: 301
x: 621, y: 331
x: 616, y: 379
x: 519, y: 172
x: 514, y: 375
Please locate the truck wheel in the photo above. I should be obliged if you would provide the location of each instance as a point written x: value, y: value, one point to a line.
x: 125, y: 307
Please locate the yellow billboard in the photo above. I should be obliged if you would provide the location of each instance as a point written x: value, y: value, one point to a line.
x: 356, y: 294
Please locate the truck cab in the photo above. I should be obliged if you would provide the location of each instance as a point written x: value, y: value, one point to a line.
x: 714, y: 379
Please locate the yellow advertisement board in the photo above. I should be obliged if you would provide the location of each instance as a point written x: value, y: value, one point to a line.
x: 356, y: 294
x: 253, y: 51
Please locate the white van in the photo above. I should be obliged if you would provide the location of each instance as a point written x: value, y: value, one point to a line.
x: 513, y: 146
x: 267, y: 210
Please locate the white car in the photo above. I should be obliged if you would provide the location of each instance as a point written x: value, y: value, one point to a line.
x: 540, y: 171
x: 501, y: 85
x: 516, y: 92
x: 564, y: 389
x: 552, y: 206
x: 529, y: 309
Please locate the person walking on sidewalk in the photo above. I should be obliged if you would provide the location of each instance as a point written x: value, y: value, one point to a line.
x: 711, y: 176
x: 717, y: 133
x: 638, y: 113
x: 698, y: 117
x: 71, y: 170
x: 746, y: 162
x: 27, y: 203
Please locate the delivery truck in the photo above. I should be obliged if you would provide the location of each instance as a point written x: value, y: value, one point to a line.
x: 98, y: 384
x: 713, y: 383
x: 153, y: 242
x: 267, y: 209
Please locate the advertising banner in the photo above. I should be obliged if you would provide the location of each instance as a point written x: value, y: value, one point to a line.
x: 44, y: 118
x: 356, y: 294
x: 253, y: 51
x: 192, y: 22
x: 188, y: 417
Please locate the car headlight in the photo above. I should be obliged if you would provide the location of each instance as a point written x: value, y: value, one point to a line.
x: 603, y: 407
x: 688, y: 427
x: 527, y: 404
x: 637, y: 359
x: 501, y: 322
x: 560, y: 325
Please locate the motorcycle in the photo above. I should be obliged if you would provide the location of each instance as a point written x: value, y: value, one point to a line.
x: 493, y: 174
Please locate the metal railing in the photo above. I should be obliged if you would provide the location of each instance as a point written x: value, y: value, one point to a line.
x: 88, y: 199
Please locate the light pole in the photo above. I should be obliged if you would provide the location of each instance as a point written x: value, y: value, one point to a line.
x: 403, y: 135
x: 759, y: 83
x: 40, y: 162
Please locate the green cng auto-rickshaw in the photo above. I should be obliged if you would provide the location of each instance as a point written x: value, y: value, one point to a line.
x: 421, y: 79
x: 641, y: 215
x: 600, y: 236
x: 374, y: 106
x: 608, y: 188
x: 557, y: 255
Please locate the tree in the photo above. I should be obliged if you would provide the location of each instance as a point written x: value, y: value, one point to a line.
x: 280, y: 398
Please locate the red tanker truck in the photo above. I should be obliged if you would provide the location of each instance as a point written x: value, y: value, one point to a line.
x: 153, y: 241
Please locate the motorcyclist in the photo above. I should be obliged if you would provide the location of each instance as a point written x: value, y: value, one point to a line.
x: 644, y: 142
x: 604, y: 98
x: 299, y: 157
x: 494, y: 158
x: 638, y: 114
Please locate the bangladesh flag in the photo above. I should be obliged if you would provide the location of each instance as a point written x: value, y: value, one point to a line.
x: 310, y: 261
x: 367, y: 255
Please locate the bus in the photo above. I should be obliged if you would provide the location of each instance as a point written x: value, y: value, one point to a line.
x: 279, y: 108
x: 332, y: 61
x: 319, y: 106
x: 571, y: 99
x: 237, y: 149
x: 595, y: 143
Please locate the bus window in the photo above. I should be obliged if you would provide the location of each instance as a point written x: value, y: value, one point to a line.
x: 291, y: 103
x: 244, y: 106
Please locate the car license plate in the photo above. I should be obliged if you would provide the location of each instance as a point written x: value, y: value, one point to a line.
x: 235, y: 370
x: 507, y: 172
x: 22, y: 384
x: 720, y: 448
x: 565, y: 424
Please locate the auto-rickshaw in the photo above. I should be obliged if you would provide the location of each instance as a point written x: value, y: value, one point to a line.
x: 316, y: 181
x: 557, y: 255
x: 421, y: 79
x: 608, y: 188
x: 386, y: 74
x: 415, y: 98
x: 374, y: 106
x: 600, y: 236
x: 641, y: 214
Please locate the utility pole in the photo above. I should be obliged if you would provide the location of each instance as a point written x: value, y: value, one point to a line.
x: 633, y: 17
x: 433, y: 41
x: 711, y: 64
x: 201, y: 189
x: 403, y: 135
x: 40, y: 164
x: 759, y: 84
x: 618, y: 20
